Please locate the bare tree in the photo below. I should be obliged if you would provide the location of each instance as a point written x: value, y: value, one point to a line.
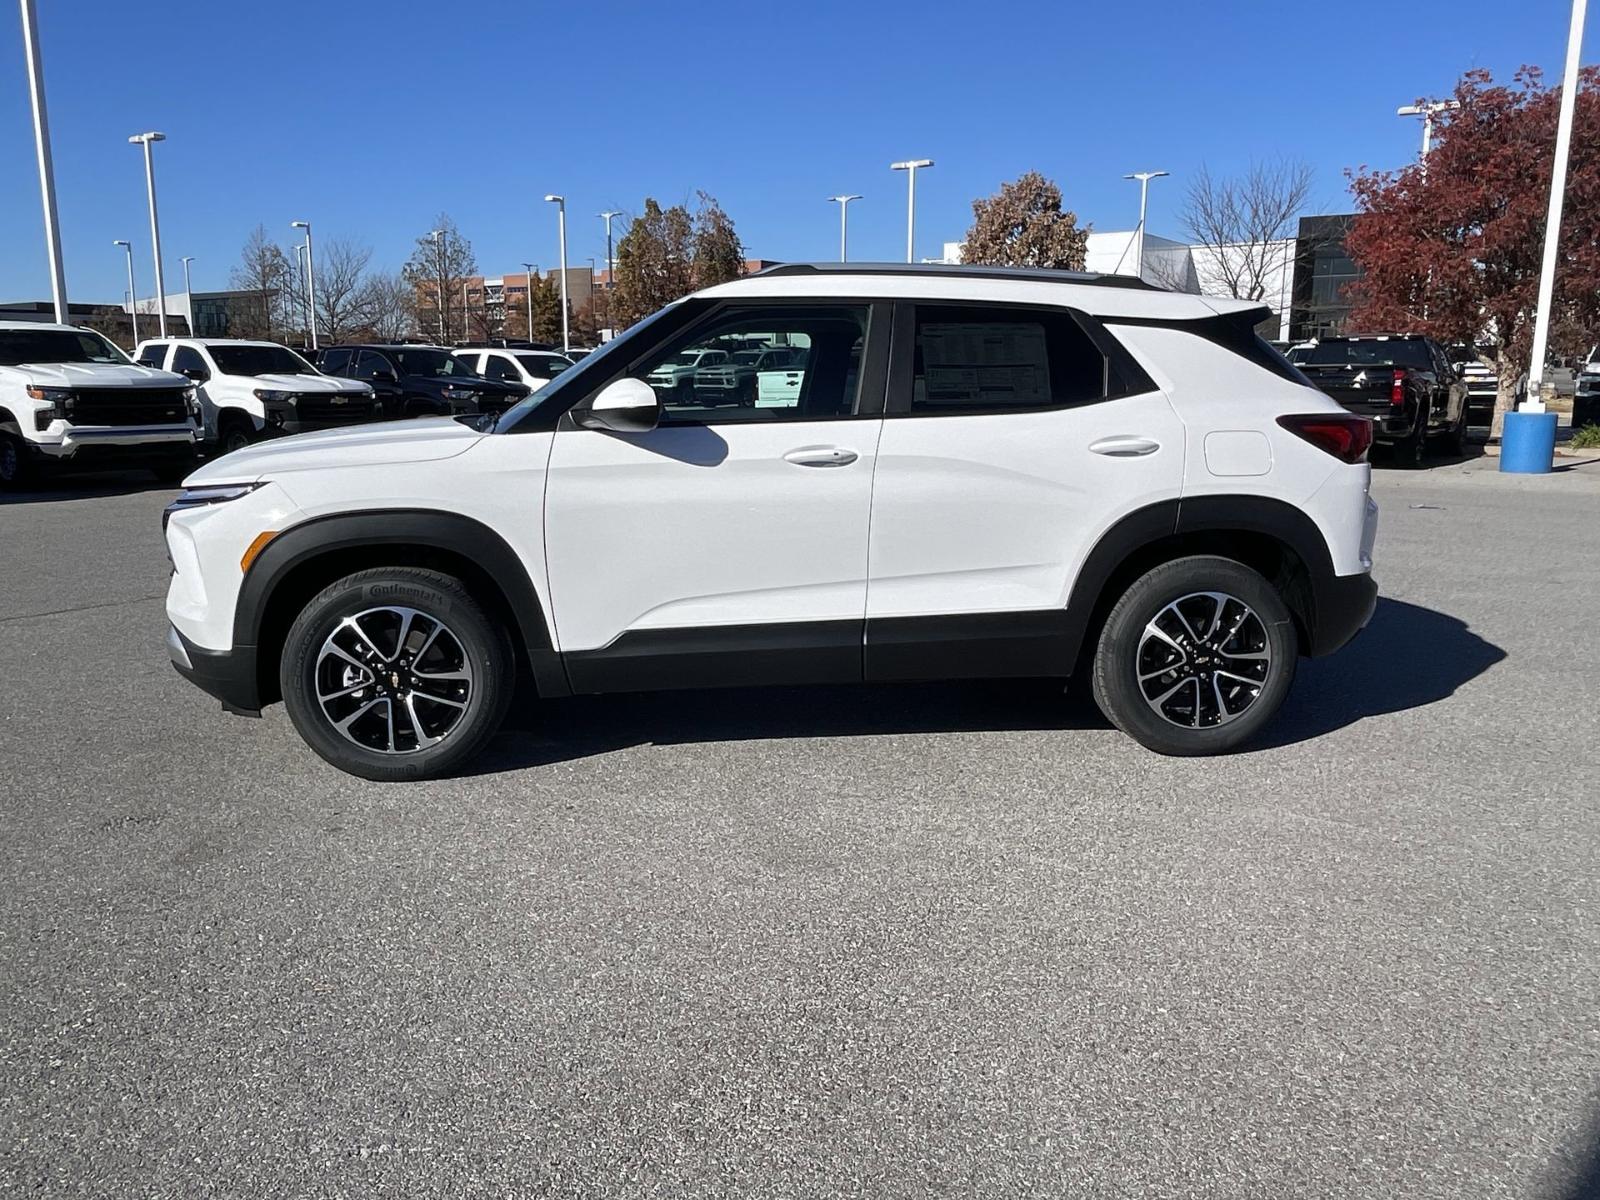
x: 1245, y: 224
x: 263, y: 270
x: 389, y: 304
x: 341, y: 288
x: 437, y: 269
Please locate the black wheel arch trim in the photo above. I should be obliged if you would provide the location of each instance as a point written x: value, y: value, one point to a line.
x: 434, y: 529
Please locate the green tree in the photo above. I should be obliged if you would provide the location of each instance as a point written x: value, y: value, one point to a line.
x: 1023, y: 225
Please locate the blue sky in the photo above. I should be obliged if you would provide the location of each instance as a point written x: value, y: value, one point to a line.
x: 369, y: 117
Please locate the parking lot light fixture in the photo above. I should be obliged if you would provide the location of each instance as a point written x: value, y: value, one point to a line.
x: 611, y: 262
x: 188, y: 293
x: 844, y: 223
x: 47, y: 171
x: 1427, y: 112
x: 438, y: 254
x: 133, y: 296
x: 561, y: 224
x: 311, y: 280
x: 1144, y: 178
x: 529, y: 268
x: 146, y: 140
x: 910, y: 167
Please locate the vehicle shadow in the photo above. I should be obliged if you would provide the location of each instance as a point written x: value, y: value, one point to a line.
x: 85, y: 486
x: 1407, y: 657
x: 1382, y: 671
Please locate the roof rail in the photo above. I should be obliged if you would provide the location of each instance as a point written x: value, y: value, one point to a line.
x: 957, y: 270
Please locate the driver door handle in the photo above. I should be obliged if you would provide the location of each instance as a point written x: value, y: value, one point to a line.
x: 821, y: 456
x: 1125, y: 446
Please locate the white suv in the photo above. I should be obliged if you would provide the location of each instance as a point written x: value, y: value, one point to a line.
x: 983, y: 472
x: 69, y: 398
x: 251, y: 390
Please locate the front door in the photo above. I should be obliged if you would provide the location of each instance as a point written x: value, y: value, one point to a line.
x: 728, y: 545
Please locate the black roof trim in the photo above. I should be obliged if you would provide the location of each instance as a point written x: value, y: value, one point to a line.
x: 958, y: 270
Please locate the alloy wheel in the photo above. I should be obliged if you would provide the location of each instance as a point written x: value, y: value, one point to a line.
x: 1203, y: 660
x: 393, y: 680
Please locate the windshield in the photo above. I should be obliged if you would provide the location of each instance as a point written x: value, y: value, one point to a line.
x: 1374, y: 353
x: 20, y: 346
x: 543, y: 366
x: 592, y: 367
x: 260, y: 360
x: 429, y: 362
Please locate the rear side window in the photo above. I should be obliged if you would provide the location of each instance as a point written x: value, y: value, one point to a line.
x: 153, y: 355
x: 334, y: 362
x: 974, y: 360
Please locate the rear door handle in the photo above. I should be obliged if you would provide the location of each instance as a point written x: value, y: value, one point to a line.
x: 821, y: 456
x: 1125, y: 445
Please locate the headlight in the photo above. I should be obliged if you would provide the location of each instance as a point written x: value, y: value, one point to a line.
x: 267, y: 396
x: 458, y: 393
x: 367, y: 393
x: 50, y: 394
x: 60, y: 400
x: 202, y: 497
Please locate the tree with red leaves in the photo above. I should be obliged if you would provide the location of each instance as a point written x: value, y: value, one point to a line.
x: 1452, y: 247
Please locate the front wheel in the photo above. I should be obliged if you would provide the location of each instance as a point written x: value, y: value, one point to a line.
x: 396, y: 673
x: 1196, y: 657
x: 15, y: 469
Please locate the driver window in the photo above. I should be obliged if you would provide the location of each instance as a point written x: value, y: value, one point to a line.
x: 762, y: 363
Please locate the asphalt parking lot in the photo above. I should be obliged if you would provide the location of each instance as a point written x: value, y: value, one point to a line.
x: 889, y: 941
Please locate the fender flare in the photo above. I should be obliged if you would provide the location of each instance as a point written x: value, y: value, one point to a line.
x: 403, y: 527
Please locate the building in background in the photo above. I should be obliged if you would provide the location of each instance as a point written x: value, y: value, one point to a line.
x: 1323, y: 270
x: 215, y: 313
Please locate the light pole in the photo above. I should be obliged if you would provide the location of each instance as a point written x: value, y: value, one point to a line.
x: 145, y: 140
x: 1427, y: 112
x: 133, y: 296
x: 300, y: 275
x: 1144, y: 178
x: 466, y: 313
x: 528, y: 267
x: 910, y: 167
x: 1533, y: 402
x: 311, y: 280
x: 438, y: 254
x: 561, y: 204
x: 47, y: 173
x: 844, y: 222
x: 188, y: 294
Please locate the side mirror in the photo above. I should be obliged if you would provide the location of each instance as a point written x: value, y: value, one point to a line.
x: 622, y: 406
x: 382, y: 376
x: 196, y: 374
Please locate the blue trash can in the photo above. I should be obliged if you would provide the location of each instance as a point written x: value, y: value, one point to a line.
x: 1528, y: 443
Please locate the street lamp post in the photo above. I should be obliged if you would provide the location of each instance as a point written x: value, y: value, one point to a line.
x: 611, y: 264
x: 910, y: 166
x: 1427, y: 112
x: 1144, y: 178
x: 145, y: 140
x: 188, y: 295
x: 133, y: 296
x: 844, y: 223
x: 528, y: 267
x: 47, y: 173
x: 300, y: 277
x: 561, y: 204
x: 438, y: 254
x: 311, y: 280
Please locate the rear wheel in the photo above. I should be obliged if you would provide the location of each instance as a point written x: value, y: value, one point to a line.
x: 1455, y: 438
x: 396, y: 673
x: 1412, y: 450
x: 1196, y: 657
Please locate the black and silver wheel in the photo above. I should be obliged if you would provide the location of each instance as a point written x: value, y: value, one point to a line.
x: 396, y: 673
x: 234, y: 432
x: 1195, y: 657
x: 14, y: 465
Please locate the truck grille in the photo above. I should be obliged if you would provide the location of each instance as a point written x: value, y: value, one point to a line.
x: 321, y: 408
x: 129, y: 406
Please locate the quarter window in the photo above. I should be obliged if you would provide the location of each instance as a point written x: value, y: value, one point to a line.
x: 975, y: 360
x: 153, y: 355
x: 763, y: 364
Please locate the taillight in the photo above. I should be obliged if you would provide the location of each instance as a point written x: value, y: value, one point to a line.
x: 1344, y: 435
x: 1397, y: 391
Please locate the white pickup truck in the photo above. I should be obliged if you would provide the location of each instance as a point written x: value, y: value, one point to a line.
x: 254, y: 390
x: 69, y: 398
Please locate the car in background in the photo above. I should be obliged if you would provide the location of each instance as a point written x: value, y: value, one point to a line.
x: 1404, y: 382
x: 70, y: 398
x: 734, y: 381
x: 1586, y: 392
x: 252, y: 390
x: 1482, y: 380
x: 1299, y: 352
x: 420, y: 381
x: 674, y: 379
x: 503, y: 344
x: 528, y: 368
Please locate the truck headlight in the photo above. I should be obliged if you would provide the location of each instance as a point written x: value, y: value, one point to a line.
x: 267, y: 396
x: 458, y: 393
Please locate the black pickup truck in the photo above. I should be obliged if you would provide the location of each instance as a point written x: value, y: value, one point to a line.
x: 1405, y: 383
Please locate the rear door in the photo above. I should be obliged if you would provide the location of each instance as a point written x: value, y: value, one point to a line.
x: 728, y: 544
x: 1013, y: 438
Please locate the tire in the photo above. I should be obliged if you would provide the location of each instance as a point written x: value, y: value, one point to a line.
x: 1411, y: 451
x: 1455, y: 438
x: 234, y: 432
x: 1174, y: 603
x: 16, y: 472
x: 332, y: 673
